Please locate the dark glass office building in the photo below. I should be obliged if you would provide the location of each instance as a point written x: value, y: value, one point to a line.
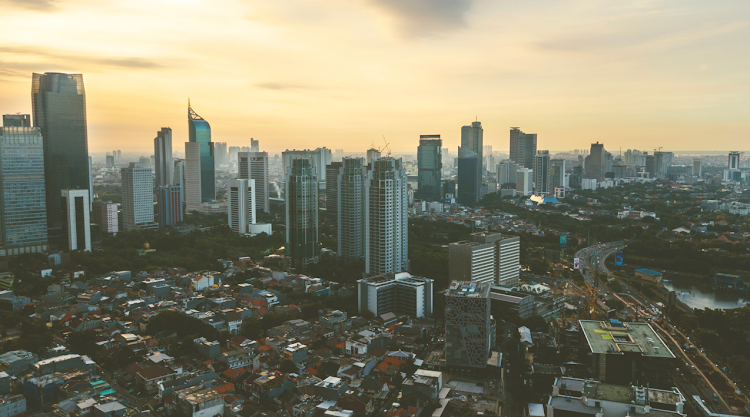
x: 200, y: 131
x: 302, y: 234
x: 59, y: 109
x: 429, y: 167
x: 469, y: 177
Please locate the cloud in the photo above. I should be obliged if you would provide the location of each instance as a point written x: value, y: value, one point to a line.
x: 422, y: 18
x: 38, y: 5
x: 57, y: 58
x: 281, y: 86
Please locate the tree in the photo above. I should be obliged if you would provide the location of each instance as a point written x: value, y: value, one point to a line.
x: 251, y: 329
x: 288, y: 366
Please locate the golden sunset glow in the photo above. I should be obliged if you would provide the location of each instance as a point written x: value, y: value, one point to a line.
x: 345, y: 73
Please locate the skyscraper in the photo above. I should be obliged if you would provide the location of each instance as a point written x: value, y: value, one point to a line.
x: 472, y: 138
x: 697, y: 171
x: 469, y: 177
x: 543, y: 174
x: 372, y: 154
x: 351, y: 200
x: 169, y: 205
x: 200, y: 133
x: 522, y: 147
x: 595, y: 162
x: 76, y: 219
x: 429, y: 167
x: 524, y: 181
x: 137, y: 197
x: 507, y: 172
x: 332, y: 194
x: 220, y: 153
x: 164, y: 167
x: 468, y: 326
x: 254, y: 145
x: 302, y: 234
x: 23, y: 207
x: 254, y: 166
x: 733, y: 162
x: 242, y: 207
x: 179, y: 180
x: 557, y: 166
x: 387, y: 234
x: 319, y: 159
x: 59, y: 109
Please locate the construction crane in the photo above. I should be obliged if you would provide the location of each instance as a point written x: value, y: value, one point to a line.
x: 385, y: 147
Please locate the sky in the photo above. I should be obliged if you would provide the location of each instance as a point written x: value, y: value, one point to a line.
x: 347, y: 74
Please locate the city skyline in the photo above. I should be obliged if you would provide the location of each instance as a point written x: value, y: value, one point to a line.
x: 669, y: 75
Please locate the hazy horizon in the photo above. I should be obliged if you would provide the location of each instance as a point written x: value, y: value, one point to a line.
x: 343, y: 74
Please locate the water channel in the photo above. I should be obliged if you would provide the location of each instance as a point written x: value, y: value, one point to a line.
x: 697, y: 294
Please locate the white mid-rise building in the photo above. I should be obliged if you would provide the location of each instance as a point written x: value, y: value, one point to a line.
x: 487, y: 257
x: 524, y: 181
x: 76, y: 219
x: 241, y: 199
x: 401, y: 294
x: 137, y: 197
x: 105, y: 214
x: 254, y: 166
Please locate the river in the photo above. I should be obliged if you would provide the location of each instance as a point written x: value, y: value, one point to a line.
x: 697, y: 295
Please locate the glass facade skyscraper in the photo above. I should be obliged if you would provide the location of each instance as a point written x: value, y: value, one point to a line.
x: 469, y: 177
x: 23, y: 208
x: 302, y: 233
x: 200, y: 132
x: 59, y: 109
x: 429, y: 167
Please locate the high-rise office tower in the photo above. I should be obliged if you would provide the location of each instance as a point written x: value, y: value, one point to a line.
x: 137, y: 197
x: 429, y: 168
x: 163, y: 163
x: 169, y: 205
x: 469, y: 177
x: 595, y: 163
x: 332, y: 195
x: 179, y: 180
x: 543, y: 174
x: 351, y: 200
x: 524, y: 181
x: 23, y: 201
x: 220, y: 153
x: 302, y: 234
x: 468, y: 326
x: 557, y: 166
x: 386, y: 221
x: 232, y: 152
x: 733, y: 163
x: 697, y: 168
x: 254, y: 166
x: 59, y: 109
x: 241, y: 199
x: 472, y: 138
x: 109, y: 161
x: 319, y: 159
x: 254, y: 145
x: 372, y: 154
x: 199, y: 159
x: 76, y: 219
x: 522, y: 147
x: 507, y: 172
x: 17, y: 120
x: 486, y: 257
x: 105, y: 214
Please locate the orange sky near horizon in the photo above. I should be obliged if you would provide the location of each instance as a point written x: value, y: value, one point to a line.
x: 344, y: 73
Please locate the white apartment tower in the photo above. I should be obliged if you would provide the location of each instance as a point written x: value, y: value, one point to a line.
x: 242, y: 207
x: 351, y: 180
x: 193, y: 201
x: 76, y: 219
x: 254, y: 166
x: 386, y: 222
x: 137, y: 197
x: 524, y: 181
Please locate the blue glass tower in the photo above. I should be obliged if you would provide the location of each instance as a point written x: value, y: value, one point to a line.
x: 200, y: 132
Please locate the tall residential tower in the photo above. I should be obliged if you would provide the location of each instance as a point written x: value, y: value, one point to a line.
x: 386, y: 221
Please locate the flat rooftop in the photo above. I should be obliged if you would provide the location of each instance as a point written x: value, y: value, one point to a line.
x: 469, y: 289
x: 632, y: 338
